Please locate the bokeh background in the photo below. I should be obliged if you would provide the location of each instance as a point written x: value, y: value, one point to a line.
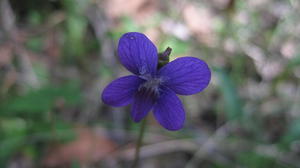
x: 56, y: 56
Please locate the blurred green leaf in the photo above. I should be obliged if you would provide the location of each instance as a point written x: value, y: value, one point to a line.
x: 13, y: 136
x: 35, y: 44
x: 233, y: 104
x: 129, y: 25
x: 295, y: 61
x: 35, y: 18
x: 292, y: 134
x: 76, y: 25
x: 75, y: 164
x: 253, y: 160
x: 10, y: 145
x: 41, y: 72
x: 41, y: 100
x: 13, y: 127
x: 56, y: 130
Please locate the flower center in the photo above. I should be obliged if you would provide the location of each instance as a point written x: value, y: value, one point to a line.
x: 152, y: 85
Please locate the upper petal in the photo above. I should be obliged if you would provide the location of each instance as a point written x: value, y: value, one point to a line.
x: 186, y: 75
x: 121, y: 91
x: 143, y: 102
x: 169, y: 111
x: 137, y: 53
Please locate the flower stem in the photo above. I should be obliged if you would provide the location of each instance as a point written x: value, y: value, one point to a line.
x: 139, y: 144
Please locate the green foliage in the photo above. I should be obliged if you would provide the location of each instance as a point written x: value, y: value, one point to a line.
x: 179, y: 47
x: 9, y: 146
x: 19, y: 135
x: 29, y: 119
x: 245, y: 43
x: 75, y: 25
x: 232, y: 102
x: 40, y: 101
x: 292, y: 134
x: 13, y: 135
x: 295, y: 61
x: 35, y: 44
x: 254, y: 160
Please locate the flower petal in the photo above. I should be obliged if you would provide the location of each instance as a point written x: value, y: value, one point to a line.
x: 137, y: 53
x: 169, y: 111
x: 186, y: 75
x: 120, y: 92
x: 142, y: 104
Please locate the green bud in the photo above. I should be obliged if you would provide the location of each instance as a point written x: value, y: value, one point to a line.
x: 164, y: 57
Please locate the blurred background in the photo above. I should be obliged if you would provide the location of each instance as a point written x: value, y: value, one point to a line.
x: 56, y: 56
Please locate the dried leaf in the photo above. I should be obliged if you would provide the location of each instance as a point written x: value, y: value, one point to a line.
x: 138, y: 9
x: 199, y: 21
x: 6, y: 54
x: 88, y: 147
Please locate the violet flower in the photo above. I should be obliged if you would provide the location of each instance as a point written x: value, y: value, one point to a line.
x: 152, y: 88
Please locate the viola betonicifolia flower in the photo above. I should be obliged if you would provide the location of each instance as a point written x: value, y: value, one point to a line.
x: 155, y: 81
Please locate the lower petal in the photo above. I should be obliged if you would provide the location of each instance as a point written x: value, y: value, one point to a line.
x: 121, y: 91
x: 142, y: 103
x: 169, y: 111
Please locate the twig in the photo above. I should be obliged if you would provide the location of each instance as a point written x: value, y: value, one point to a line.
x: 107, y: 57
x: 220, y: 134
x: 283, y: 157
x: 27, y: 75
x: 161, y: 148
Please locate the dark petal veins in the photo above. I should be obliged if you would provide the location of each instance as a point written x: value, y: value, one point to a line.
x: 169, y: 111
x: 137, y: 53
x: 143, y: 103
x: 120, y: 92
x: 186, y: 75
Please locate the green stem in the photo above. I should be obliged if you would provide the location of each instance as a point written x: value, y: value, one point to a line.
x: 139, y: 144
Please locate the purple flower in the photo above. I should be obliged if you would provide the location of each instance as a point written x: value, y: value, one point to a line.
x: 152, y: 88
